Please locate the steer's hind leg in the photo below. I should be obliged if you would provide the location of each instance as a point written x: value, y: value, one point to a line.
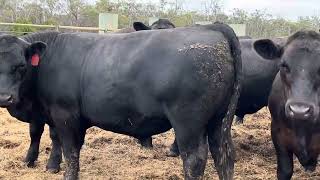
x: 194, y: 152
x: 222, y: 149
x: 55, y: 159
x: 191, y: 135
x: 36, y: 130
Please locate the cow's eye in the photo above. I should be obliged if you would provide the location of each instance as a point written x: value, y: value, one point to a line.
x: 284, y: 67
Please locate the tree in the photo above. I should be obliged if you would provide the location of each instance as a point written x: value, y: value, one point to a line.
x: 212, y: 8
x: 35, y: 13
x: 239, y: 16
x: 89, y: 16
x: 74, y: 8
x: 11, y: 8
x: 104, y: 6
x: 52, y: 8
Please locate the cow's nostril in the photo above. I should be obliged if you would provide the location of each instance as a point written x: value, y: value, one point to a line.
x: 300, y: 109
x: 10, y: 99
x: 6, y: 99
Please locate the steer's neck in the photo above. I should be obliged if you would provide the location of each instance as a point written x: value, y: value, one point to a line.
x: 29, y: 85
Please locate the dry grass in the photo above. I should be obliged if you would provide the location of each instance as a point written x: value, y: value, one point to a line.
x: 111, y: 156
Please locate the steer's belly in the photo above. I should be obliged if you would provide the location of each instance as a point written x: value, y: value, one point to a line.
x: 130, y: 123
x: 122, y: 112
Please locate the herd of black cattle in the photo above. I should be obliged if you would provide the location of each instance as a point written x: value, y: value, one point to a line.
x: 192, y: 79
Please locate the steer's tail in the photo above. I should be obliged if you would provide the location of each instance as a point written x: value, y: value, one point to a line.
x: 225, y: 162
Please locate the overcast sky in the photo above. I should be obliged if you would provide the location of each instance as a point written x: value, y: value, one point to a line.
x: 290, y: 9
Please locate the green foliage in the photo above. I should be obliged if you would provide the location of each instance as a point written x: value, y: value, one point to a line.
x: 183, y: 19
x: 123, y: 21
x: 103, y: 6
x: 50, y: 22
x: 23, y: 29
x: 90, y: 16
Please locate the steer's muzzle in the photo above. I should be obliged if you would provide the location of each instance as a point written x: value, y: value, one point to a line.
x: 6, y: 100
x: 300, y: 111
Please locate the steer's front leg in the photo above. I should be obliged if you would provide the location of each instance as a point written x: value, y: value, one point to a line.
x: 284, y: 156
x: 71, y: 132
x: 35, y: 130
x: 55, y: 159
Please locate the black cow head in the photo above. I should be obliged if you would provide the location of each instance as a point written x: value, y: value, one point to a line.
x: 299, y: 72
x: 16, y: 55
x: 160, y: 24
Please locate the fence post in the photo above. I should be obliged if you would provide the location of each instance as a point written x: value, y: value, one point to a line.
x: 57, y: 27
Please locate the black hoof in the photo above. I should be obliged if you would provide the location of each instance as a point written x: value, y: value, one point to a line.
x: 31, y: 164
x: 238, y: 121
x: 53, y: 169
x: 146, y: 143
x: 310, y: 168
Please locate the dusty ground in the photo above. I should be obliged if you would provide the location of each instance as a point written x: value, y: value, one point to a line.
x: 111, y: 156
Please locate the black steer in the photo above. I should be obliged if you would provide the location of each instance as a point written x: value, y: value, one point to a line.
x: 294, y: 100
x: 138, y: 84
x: 258, y: 75
x: 22, y: 104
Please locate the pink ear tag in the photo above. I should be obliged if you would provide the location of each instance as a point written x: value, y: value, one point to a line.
x: 35, y: 60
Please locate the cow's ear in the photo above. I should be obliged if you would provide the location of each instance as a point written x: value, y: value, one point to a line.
x: 34, y: 52
x: 268, y: 49
x: 36, y: 48
x: 139, y: 26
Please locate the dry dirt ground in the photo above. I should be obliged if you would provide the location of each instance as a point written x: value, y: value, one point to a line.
x: 111, y: 156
